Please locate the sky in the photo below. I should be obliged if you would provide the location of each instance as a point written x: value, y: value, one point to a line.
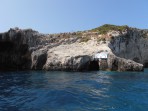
x: 55, y: 16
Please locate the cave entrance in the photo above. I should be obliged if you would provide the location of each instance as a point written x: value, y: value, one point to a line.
x: 6, y: 46
x: 94, y: 65
x: 146, y: 65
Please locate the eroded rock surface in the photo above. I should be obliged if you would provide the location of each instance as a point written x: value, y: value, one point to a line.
x: 133, y: 45
x: 120, y: 64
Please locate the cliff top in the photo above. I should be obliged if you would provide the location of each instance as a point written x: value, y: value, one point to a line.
x: 107, y: 27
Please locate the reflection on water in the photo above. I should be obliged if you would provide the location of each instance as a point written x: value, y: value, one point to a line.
x: 74, y: 91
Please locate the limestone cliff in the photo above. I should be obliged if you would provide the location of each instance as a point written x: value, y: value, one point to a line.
x: 28, y: 49
x: 133, y: 45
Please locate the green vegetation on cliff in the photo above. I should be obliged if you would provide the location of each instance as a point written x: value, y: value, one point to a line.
x: 85, y: 39
x: 85, y: 36
x: 107, y: 27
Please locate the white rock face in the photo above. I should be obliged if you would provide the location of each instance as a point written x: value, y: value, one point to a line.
x: 74, y: 56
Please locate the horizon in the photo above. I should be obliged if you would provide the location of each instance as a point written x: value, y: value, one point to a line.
x: 47, y: 16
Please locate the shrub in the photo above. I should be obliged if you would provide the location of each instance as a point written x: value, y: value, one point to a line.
x: 85, y: 39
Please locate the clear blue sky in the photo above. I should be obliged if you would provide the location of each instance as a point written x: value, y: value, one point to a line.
x: 52, y: 16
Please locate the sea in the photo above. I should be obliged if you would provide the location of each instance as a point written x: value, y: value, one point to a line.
x: 73, y: 91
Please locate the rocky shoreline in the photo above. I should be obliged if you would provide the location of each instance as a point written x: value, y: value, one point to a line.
x: 26, y: 49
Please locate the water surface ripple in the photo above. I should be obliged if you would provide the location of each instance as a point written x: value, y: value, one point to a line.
x: 74, y: 91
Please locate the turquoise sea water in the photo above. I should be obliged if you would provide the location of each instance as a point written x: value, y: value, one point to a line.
x: 74, y: 91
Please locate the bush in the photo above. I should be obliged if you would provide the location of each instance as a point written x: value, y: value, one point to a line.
x: 85, y: 39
